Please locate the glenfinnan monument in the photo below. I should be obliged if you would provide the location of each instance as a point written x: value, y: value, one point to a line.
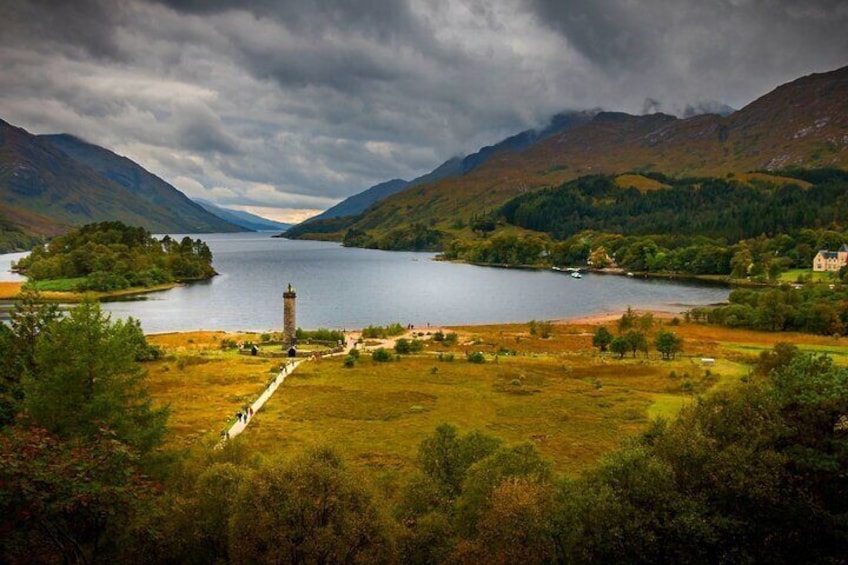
x: 289, y: 323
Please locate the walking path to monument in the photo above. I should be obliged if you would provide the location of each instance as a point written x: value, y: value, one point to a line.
x: 288, y: 369
x: 240, y: 425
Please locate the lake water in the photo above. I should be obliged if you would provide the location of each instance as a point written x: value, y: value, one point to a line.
x: 341, y: 287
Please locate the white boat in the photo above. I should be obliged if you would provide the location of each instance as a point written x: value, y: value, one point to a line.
x: 576, y: 275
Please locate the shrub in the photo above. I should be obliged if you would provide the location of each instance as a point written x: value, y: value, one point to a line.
x: 476, y: 357
x: 451, y: 339
x: 383, y: 332
x: 349, y: 362
x: 439, y: 336
x: 381, y: 355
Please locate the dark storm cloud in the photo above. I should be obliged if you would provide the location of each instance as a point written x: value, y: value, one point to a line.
x: 296, y: 104
x: 85, y: 26
x: 743, y: 42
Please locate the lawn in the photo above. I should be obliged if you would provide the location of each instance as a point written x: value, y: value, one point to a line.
x: 799, y: 275
x: 59, y: 285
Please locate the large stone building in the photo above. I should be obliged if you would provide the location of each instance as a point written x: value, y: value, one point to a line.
x: 831, y: 260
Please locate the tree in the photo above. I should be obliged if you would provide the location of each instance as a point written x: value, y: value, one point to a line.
x: 627, y: 320
x: 779, y: 357
x: 484, y: 225
x: 482, y: 478
x: 29, y: 320
x: 311, y: 510
x: 636, y: 341
x: 445, y: 456
x: 602, y: 338
x: 515, y: 528
x: 668, y: 344
x: 65, y: 501
x: 87, y: 377
x: 619, y: 346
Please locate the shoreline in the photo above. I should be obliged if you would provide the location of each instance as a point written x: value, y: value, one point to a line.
x: 10, y: 290
x: 587, y: 320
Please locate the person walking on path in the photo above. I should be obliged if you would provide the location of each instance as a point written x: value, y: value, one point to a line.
x: 245, y: 414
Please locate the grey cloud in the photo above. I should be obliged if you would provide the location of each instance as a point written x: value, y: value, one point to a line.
x: 305, y: 103
x: 651, y: 106
x: 84, y: 28
x: 199, y: 129
x: 612, y: 34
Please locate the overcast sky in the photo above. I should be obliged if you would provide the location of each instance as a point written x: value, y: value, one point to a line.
x: 285, y: 107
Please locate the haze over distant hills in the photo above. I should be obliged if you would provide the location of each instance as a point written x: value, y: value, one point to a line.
x: 245, y: 220
x: 803, y: 123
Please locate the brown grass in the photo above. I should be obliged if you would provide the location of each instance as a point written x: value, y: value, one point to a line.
x: 204, y: 385
x: 574, y: 403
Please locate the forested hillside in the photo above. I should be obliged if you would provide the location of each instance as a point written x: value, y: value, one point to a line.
x: 712, y: 207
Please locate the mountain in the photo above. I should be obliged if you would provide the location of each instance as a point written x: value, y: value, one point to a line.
x: 360, y: 202
x: 801, y: 124
x: 173, y: 209
x: 48, y: 184
x: 244, y: 220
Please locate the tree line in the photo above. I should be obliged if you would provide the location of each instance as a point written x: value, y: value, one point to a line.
x: 112, y: 256
x: 817, y: 309
x: 712, y: 207
x: 699, y: 226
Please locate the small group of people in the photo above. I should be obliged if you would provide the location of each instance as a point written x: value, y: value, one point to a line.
x: 245, y: 414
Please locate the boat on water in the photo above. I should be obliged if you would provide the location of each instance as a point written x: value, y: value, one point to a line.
x: 576, y: 275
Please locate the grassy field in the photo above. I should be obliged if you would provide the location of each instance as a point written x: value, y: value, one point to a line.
x: 204, y: 385
x: 797, y: 275
x: 572, y: 402
x: 59, y: 285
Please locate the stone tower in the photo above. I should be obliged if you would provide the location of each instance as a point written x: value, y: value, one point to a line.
x: 289, y: 322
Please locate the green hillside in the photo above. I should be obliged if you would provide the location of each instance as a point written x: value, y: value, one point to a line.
x: 44, y: 191
x: 800, y: 124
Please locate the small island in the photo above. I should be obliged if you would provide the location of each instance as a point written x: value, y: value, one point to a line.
x: 111, y: 258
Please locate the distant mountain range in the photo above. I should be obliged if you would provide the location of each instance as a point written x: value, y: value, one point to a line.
x: 800, y: 124
x: 245, y: 220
